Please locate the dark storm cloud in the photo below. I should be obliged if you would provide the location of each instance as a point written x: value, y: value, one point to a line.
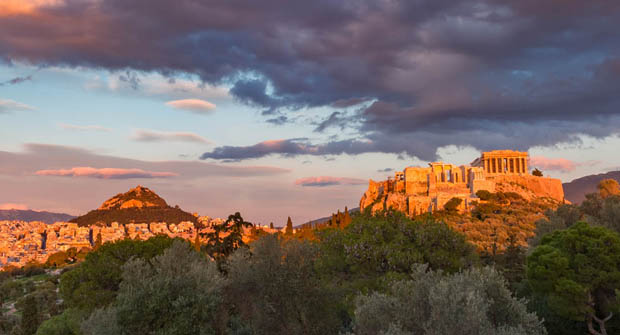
x: 16, y: 80
x: 432, y: 72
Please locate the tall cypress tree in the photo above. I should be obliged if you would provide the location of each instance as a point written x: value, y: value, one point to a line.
x: 289, y: 226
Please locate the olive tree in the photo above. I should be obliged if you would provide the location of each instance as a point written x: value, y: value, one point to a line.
x: 470, y: 302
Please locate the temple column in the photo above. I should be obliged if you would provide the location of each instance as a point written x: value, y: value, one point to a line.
x: 512, y: 166
x: 502, y: 167
x: 518, y: 165
x: 524, y: 165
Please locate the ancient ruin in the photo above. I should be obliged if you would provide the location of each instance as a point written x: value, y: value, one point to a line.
x: 417, y: 190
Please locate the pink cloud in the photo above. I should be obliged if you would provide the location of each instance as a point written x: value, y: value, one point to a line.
x: 105, y: 173
x: 8, y: 205
x: 193, y: 105
x: 553, y: 164
x: 328, y: 181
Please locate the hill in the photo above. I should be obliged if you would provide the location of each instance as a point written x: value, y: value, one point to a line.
x: 138, y: 205
x: 30, y: 215
x: 576, y: 190
x: 315, y: 222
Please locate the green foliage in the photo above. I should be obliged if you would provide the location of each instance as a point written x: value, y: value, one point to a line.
x: 578, y: 269
x: 470, y: 302
x: 389, y: 244
x: 31, y: 316
x: 135, y: 215
x: 275, y: 289
x: 484, y: 195
x: 95, y: 282
x: 608, y: 187
x: 177, y: 292
x: 453, y: 204
x: 67, y: 323
x: 227, y: 237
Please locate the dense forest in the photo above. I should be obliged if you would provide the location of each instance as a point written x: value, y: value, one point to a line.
x: 357, y: 274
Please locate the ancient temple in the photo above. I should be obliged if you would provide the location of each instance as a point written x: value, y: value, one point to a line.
x: 422, y: 189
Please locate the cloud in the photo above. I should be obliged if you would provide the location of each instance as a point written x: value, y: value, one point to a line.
x: 290, y: 148
x: 68, y: 126
x: 8, y: 205
x: 385, y: 170
x: 16, y: 80
x: 328, y: 181
x: 553, y: 164
x: 439, y: 73
x: 7, y: 106
x: 192, y: 105
x: 37, y: 157
x: 145, y: 135
x: 105, y: 173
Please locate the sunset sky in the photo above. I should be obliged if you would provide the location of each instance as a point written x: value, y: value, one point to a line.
x: 279, y: 108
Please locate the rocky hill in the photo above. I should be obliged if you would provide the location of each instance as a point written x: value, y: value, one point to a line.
x: 30, y: 215
x: 576, y: 190
x: 138, y: 205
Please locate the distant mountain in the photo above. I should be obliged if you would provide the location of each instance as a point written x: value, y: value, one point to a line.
x: 138, y: 205
x: 576, y: 190
x: 30, y: 215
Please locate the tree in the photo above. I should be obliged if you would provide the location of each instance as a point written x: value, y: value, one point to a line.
x: 227, y: 237
x: 31, y: 316
x: 537, y: 173
x: 95, y: 282
x: 289, y: 226
x: 579, y: 270
x: 346, y: 220
x: 389, y: 244
x: 276, y: 288
x: 177, y: 293
x: 608, y: 187
x: 470, y: 302
x: 197, y: 242
x: 453, y: 204
x: 98, y: 241
x: 270, y: 225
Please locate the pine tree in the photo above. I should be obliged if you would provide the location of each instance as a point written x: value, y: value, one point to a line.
x: 289, y: 226
x: 271, y: 225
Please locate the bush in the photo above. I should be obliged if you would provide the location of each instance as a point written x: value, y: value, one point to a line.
x: 470, y: 302
x: 178, y: 292
x: 484, y: 195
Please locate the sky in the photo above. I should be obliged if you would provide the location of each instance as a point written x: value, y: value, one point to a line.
x: 286, y: 108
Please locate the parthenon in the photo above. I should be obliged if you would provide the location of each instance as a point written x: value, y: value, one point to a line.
x: 503, y: 162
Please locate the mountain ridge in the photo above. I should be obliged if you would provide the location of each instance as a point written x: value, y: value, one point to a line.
x: 31, y: 215
x: 575, y: 191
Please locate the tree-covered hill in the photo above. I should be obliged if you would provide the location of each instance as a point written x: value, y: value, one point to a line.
x: 138, y: 205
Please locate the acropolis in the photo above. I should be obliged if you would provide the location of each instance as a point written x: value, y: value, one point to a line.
x: 416, y: 190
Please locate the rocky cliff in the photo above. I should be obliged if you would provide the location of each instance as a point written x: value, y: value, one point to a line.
x: 380, y: 196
